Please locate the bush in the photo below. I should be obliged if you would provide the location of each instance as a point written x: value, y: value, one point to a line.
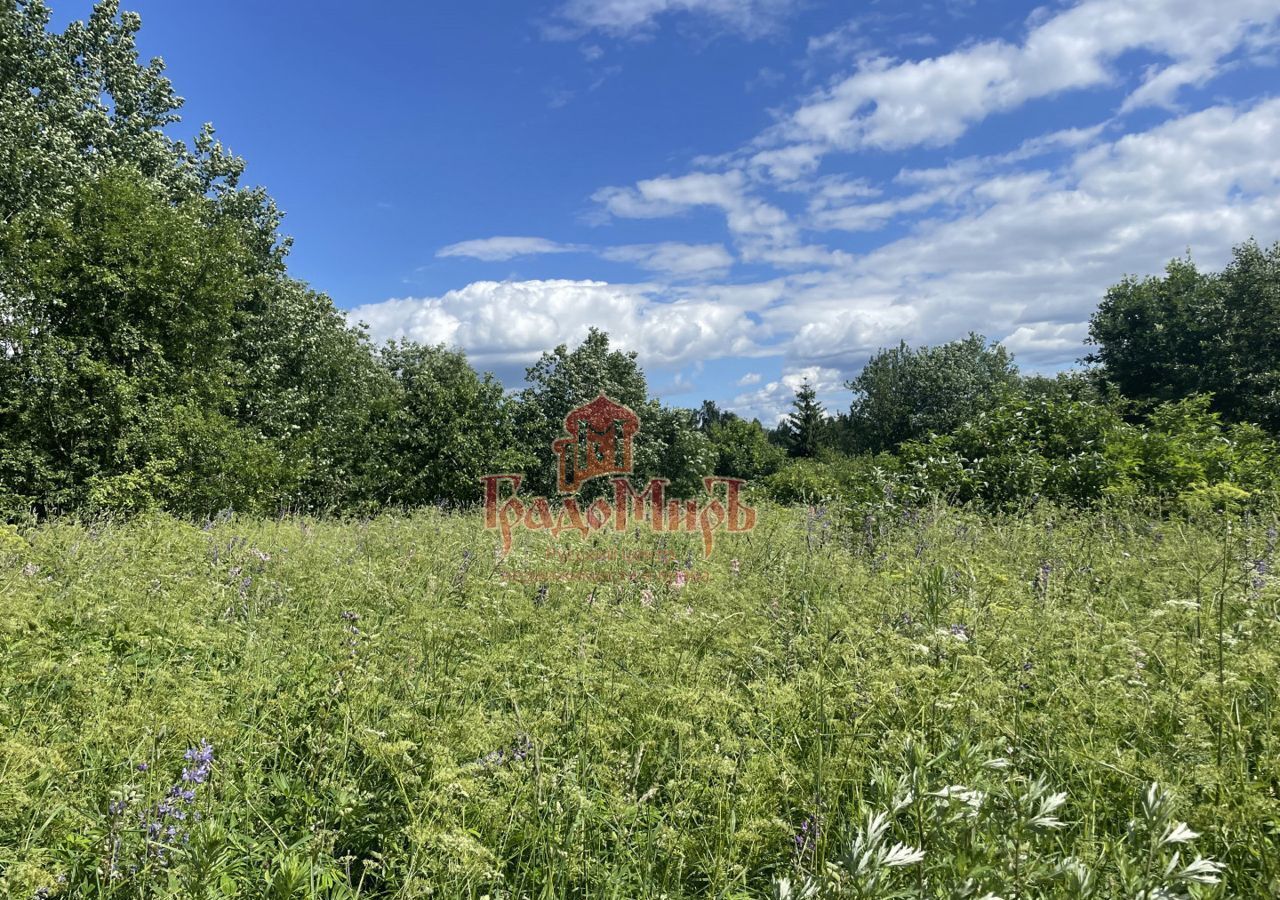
x: 852, y: 480
x: 1078, y: 452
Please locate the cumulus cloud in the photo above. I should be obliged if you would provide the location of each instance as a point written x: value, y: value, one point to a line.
x: 1019, y: 244
x: 672, y: 258
x: 1020, y: 255
x: 668, y: 196
x: 1026, y: 255
x: 513, y: 322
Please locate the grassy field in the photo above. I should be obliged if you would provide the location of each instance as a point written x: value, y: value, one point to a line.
x: 936, y: 704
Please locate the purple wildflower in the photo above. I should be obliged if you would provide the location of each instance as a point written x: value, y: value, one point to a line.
x: 805, y: 840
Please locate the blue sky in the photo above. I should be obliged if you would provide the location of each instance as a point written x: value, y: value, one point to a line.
x: 747, y: 192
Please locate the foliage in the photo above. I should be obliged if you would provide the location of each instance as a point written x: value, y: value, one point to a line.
x: 1083, y: 451
x: 806, y: 430
x: 668, y: 445
x: 392, y: 713
x: 851, y: 480
x: 742, y: 449
x: 448, y: 427
x: 1188, y: 332
x: 905, y: 394
x: 116, y: 391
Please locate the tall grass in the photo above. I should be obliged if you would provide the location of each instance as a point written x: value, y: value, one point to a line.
x: 931, y: 704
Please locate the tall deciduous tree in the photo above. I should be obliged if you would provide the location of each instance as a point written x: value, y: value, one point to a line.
x: 906, y: 394
x: 449, y: 427
x: 1186, y: 332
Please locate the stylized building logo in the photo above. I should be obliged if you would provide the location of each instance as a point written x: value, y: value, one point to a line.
x: 598, y: 441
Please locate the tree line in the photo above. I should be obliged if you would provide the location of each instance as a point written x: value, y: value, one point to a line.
x: 155, y: 353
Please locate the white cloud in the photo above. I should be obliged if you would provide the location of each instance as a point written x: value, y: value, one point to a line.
x: 726, y: 191
x: 667, y: 257
x: 495, y: 249
x: 513, y: 322
x: 889, y: 104
x: 752, y: 18
x: 1047, y: 342
x: 672, y: 258
x: 749, y: 379
x: 1020, y: 255
x: 1027, y: 255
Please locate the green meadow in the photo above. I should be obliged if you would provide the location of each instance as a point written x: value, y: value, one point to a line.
x: 925, y: 704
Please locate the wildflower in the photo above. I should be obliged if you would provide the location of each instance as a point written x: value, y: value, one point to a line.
x: 806, y: 836
x: 541, y: 597
x: 678, y: 582
x: 959, y: 632
x: 646, y: 598
x: 30, y: 570
x: 260, y: 556
x: 142, y: 767
x: 166, y: 822
x: 349, y: 616
x: 735, y: 567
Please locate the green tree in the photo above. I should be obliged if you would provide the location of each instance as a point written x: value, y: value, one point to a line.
x: 1187, y: 332
x: 807, y: 428
x: 118, y: 388
x: 906, y: 394
x: 743, y: 450
x: 76, y: 104
x: 449, y: 427
x: 563, y: 379
x: 144, y: 301
x: 709, y: 415
x: 311, y: 384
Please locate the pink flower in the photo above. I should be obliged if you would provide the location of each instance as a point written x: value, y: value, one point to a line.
x: 679, y: 581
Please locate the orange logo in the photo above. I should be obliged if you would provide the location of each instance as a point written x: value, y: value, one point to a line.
x: 599, y: 440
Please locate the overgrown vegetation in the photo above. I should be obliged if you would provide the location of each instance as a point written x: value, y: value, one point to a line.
x: 1046, y: 705
x: 1007, y: 636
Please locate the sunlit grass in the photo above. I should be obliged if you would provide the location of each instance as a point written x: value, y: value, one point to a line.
x: 392, y: 713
